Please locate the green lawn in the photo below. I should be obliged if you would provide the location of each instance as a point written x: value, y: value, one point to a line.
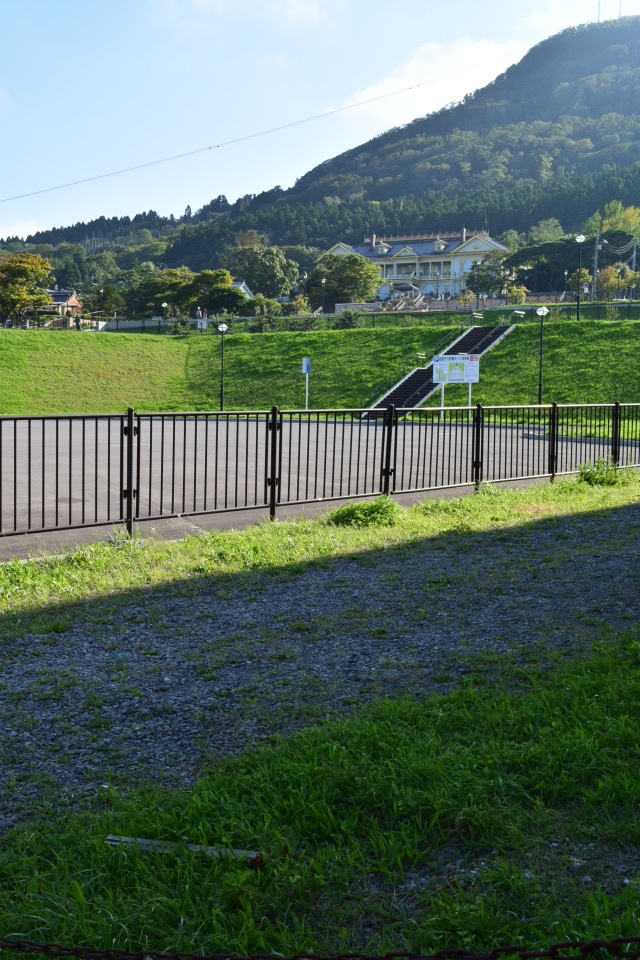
x: 586, y: 362
x: 450, y: 821
x: 358, y: 822
x: 64, y: 372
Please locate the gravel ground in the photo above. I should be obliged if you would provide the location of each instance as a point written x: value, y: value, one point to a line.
x: 159, y: 685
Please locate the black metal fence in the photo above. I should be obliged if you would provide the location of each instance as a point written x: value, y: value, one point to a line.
x: 624, y: 948
x: 440, y: 313
x: 65, y: 472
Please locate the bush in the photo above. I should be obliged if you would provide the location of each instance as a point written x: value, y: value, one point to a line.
x: 604, y: 473
x: 383, y: 512
x: 347, y: 320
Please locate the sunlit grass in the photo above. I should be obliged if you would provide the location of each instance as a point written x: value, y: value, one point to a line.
x: 67, y: 372
x: 102, y: 570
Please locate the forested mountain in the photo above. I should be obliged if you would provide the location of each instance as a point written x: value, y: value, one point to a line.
x: 557, y: 135
x: 570, y: 107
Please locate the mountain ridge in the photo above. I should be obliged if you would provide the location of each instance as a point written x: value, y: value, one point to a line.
x: 555, y: 135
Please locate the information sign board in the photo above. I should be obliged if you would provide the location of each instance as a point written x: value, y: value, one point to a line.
x: 460, y: 368
x: 306, y: 365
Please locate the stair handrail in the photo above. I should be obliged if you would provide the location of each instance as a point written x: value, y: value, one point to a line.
x: 505, y: 322
x: 408, y: 366
x: 383, y: 386
x: 447, y: 338
x: 416, y: 393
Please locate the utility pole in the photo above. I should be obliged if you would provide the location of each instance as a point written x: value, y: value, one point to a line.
x: 599, y: 246
x: 635, y: 251
x: 579, y: 240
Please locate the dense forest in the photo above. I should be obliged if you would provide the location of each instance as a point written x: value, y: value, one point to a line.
x: 555, y: 136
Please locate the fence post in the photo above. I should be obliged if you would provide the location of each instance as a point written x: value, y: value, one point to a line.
x: 387, y: 469
x: 273, y: 480
x: 553, y: 442
x: 615, y: 434
x: 129, y: 493
x: 478, y: 420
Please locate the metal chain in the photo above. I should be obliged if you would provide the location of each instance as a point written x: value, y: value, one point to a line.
x: 559, y: 951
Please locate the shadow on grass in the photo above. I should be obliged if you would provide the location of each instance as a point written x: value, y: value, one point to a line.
x: 419, y: 826
x: 218, y: 661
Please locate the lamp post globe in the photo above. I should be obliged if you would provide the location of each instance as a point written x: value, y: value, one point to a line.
x: 579, y: 240
x: 222, y: 328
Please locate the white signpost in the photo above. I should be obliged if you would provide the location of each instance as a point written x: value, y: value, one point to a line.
x: 306, y: 369
x: 456, y: 368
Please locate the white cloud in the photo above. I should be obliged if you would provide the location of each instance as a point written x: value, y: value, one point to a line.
x: 21, y: 228
x: 205, y: 14
x: 452, y: 69
x: 550, y: 16
x: 545, y: 19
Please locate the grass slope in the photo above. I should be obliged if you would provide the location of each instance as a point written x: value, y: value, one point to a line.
x: 586, y: 362
x: 47, y: 372
x: 60, y: 372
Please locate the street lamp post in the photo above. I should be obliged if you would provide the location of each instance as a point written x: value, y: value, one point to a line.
x: 323, y: 283
x: 222, y: 327
x: 542, y: 313
x: 566, y: 276
x: 478, y: 262
x: 579, y: 240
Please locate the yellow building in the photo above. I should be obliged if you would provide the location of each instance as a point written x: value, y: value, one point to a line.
x: 437, y: 265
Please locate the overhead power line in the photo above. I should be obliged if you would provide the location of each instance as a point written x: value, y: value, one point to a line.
x: 249, y: 136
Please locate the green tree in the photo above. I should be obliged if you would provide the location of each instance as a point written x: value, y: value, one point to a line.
x: 300, y: 307
x: 266, y: 270
x: 263, y: 307
x: 545, y: 231
x: 139, y: 288
x: 512, y: 240
x: 491, y: 276
x: 21, y: 279
x: 578, y: 280
x: 517, y: 294
x: 213, y: 290
x: 108, y: 300
x: 466, y: 298
x: 347, y: 279
x: 614, y: 282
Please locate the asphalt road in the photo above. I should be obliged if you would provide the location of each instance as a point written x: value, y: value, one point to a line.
x: 69, y: 472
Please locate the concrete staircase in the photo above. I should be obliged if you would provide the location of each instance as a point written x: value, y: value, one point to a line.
x: 418, y: 385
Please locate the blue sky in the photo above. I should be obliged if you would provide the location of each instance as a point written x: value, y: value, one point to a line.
x: 90, y: 86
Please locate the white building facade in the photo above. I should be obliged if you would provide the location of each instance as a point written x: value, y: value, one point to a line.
x: 435, y: 266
